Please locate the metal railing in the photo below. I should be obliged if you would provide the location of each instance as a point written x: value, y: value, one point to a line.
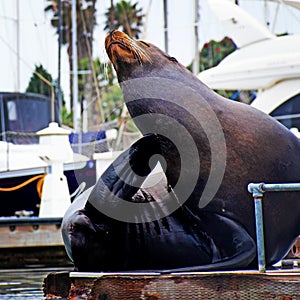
x: 257, y: 190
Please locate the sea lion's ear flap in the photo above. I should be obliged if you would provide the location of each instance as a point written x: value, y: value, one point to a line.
x: 173, y: 59
x: 128, y: 171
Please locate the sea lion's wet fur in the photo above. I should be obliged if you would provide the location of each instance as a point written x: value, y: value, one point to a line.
x: 258, y: 148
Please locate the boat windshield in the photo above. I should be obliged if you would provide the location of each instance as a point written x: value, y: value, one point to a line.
x: 289, y: 113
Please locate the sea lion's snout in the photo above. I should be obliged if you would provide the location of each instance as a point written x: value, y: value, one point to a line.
x: 121, y: 49
x: 118, y: 48
x: 113, y: 36
x: 115, y: 40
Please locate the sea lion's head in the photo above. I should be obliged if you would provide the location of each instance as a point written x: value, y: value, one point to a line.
x: 137, y: 58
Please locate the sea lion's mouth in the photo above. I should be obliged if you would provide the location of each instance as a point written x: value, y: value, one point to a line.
x: 116, y: 43
x: 120, y: 46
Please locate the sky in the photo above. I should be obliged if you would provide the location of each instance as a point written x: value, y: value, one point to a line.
x: 38, y: 42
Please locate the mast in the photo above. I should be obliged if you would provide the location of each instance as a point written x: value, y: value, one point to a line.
x: 18, y: 44
x: 165, y: 8
x: 196, y: 38
x: 75, y: 65
x: 59, y: 60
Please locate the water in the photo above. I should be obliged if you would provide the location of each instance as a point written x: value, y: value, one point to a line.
x: 23, y: 283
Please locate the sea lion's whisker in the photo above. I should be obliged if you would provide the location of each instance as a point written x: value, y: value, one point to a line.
x: 137, y: 56
x: 136, y: 48
x: 141, y: 52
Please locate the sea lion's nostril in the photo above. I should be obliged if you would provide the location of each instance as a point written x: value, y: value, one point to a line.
x: 112, y: 32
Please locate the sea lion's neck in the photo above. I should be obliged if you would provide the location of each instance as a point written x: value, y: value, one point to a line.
x: 158, y: 82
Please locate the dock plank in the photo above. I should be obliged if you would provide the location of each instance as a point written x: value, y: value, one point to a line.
x: 277, y: 284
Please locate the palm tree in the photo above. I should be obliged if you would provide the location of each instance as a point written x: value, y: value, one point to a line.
x: 126, y: 17
x: 86, y: 22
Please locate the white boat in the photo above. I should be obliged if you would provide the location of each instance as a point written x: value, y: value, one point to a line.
x: 263, y: 62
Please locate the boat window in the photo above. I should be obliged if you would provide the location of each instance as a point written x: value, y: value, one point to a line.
x: 27, y: 115
x: 288, y: 113
x: 12, y: 111
x: 22, y: 115
x: 35, y: 114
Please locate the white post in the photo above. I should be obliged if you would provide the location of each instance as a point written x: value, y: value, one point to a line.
x: 55, y: 193
x: 57, y: 150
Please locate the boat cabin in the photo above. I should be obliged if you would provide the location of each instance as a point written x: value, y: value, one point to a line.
x: 23, y: 113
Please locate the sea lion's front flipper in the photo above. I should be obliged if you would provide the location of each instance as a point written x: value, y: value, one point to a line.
x: 123, y: 178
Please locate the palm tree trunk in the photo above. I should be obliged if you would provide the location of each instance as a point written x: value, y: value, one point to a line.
x: 85, y: 30
x: 112, y: 15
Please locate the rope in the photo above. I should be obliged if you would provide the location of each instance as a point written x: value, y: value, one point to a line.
x: 39, y: 185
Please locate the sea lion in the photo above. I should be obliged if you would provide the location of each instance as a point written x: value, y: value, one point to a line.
x: 210, y: 149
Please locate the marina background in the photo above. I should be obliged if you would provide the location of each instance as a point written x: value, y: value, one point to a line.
x: 38, y: 45
x: 38, y: 42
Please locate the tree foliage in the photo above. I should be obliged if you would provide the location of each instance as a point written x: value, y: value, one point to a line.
x: 125, y: 16
x: 37, y: 85
x: 85, y: 20
x: 112, y: 102
x: 211, y: 55
x: 213, y: 52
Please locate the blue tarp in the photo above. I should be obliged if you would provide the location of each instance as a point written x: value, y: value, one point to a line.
x: 87, y: 137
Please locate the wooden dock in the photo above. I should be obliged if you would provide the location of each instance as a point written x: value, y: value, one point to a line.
x: 277, y: 284
x: 31, y: 242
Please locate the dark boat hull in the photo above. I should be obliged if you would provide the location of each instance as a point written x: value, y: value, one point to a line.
x: 27, y: 199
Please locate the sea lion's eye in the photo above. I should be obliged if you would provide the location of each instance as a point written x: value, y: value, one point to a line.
x: 173, y: 59
x: 143, y: 42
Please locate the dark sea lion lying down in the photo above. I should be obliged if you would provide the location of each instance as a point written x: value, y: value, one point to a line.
x: 200, y: 216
